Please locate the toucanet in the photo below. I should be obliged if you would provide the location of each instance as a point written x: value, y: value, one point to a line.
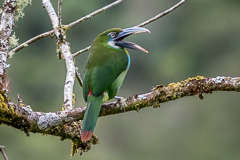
x: 107, y: 65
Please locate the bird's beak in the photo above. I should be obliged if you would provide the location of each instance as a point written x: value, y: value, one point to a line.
x: 127, y: 32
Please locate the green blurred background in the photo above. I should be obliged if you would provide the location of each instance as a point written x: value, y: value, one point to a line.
x: 199, y: 38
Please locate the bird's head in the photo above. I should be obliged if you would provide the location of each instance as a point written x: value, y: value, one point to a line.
x: 114, y: 38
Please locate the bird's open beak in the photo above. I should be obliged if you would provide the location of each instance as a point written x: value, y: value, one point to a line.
x: 127, y: 32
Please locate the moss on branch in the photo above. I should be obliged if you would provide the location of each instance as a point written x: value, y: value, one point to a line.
x: 66, y: 125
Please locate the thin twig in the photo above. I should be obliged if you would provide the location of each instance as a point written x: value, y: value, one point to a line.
x: 26, y: 43
x: 142, y: 24
x: 2, y: 148
x: 48, y: 33
x: 60, y: 38
x: 79, y: 79
x: 94, y: 13
x: 161, y: 14
x: 81, y: 51
x: 60, y: 12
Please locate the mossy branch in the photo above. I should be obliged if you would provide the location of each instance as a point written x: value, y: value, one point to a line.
x: 65, y: 125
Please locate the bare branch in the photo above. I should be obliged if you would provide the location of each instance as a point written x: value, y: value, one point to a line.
x: 52, y: 15
x: 161, y: 14
x: 143, y: 23
x: 7, y: 22
x: 94, y: 13
x: 81, y: 51
x: 26, y: 43
x: 79, y: 79
x: 48, y: 33
x: 60, y: 30
x: 70, y: 76
x: 3, y: 153
x: 64, y: 49
x: 60, y: 12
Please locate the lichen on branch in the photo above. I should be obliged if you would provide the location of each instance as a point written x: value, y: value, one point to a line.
x: 65, y: 124
x: 6, y: 25
x: 21, y: 4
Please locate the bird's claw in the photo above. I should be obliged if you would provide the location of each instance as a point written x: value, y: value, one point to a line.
x: 121, y: 101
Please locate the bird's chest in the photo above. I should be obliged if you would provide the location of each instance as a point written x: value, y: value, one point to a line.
x: 122, y: 59
x: 115, y: 60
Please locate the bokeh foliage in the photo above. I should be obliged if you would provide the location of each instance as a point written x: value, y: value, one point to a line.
x: 199, y: 38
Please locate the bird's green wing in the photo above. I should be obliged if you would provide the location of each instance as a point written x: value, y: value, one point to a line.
x: 102, y: 70
x: 86, y: 81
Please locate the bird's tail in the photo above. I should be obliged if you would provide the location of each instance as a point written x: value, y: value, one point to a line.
x: 90, y: 117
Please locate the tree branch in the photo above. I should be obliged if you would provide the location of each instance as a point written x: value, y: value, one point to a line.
x: 3, y: 153
x: 48, y: 33
x: 81, y: 51
x: 60, y: 12
x: 7, y: 22
x: 79, y: 79
x: 143, y: 23
x: 26, y: 43
x: 64, y: 49
x: 22, y: 117
x: 161, y: 14
x: 94, y: 13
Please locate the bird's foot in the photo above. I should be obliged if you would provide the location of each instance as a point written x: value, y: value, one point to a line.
x: 122, y: 102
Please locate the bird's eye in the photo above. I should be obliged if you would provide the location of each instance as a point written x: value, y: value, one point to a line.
x: 113, y: 34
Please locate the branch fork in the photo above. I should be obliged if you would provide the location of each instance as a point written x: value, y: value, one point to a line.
x: 64, y: 49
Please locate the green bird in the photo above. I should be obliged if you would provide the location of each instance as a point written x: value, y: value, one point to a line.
x: 106, y: 68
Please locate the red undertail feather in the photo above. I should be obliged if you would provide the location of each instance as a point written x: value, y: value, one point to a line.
x: 86, y: 135
x: 89, y: 92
